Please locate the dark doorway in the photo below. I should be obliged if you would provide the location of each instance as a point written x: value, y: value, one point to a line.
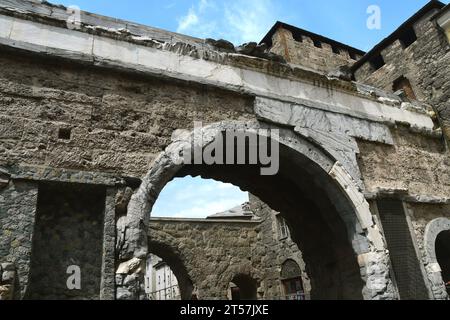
x: 243, y: 287
x: 68, y: 232
x: 443, y: 256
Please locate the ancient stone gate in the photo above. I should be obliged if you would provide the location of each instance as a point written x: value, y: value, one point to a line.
x: 89, y: 114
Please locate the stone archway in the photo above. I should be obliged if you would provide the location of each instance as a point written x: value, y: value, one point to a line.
x: 173, y: 260
x: 314, y: 193
x: 291, y: 280
x: 434, y: 271
x: 246, y: 287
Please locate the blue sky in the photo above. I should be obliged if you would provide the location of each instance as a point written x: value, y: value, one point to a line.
x: 196, y: 198
x: 248, y: 20
x: 242, y: 21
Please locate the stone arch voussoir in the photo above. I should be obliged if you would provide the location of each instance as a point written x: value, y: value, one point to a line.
x: 434, y: 272
x: 373, y: 261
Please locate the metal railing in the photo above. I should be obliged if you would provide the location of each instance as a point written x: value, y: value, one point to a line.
x: 165, y: 294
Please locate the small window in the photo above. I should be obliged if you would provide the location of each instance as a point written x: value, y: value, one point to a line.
x: 64, y: 133
x: 403, y: 83
x: 352, y: 55
x: 297, y: 37
x: 336, y: 50
x: 377, y: 62
x: 317, y: 43
x: 408, y: 38
x: 283, y: 228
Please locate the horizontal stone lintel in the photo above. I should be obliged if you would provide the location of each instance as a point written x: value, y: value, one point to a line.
x: 48, y: 174
x: 101, y: 51
x: 404, y: 195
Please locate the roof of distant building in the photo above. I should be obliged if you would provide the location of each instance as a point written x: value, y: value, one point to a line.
x: 240, y: 212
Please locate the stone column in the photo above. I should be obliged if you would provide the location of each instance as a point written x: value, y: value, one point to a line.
x: 107, y: 285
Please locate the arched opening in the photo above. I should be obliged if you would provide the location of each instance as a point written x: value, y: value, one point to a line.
x: 168, y: 265
x: 317, y: 227
x: 243, y: 287
x: 329, y: 217
x: 197, y: 198
x: 443, y: 256
x: 291, y: 280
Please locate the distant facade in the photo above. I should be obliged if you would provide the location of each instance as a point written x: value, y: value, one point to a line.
x: 161, y: 282
x: 226, y: 256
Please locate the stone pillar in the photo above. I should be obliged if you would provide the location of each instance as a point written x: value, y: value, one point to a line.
x: 7, y: 281
x: 107, y: 285
x: 18, y: 200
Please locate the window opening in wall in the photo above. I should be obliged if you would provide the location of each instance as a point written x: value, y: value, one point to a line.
x: 352, y: 55
x: 377, y: 62
x: 408, y: 38
x: 335, y: 50
x: 292, y: 281
x: 283, y: 228
x: 169, y: 288
x: 317, y: 43
x: 403, y: 83
x: 64, y: 133
x: 297, y: 37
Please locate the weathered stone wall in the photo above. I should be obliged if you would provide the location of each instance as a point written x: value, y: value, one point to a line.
x: 425, y: 63
x: 421, y: 216
x: 55, y: 114
x: 276, y: 249
x: 17, y: 217
x: 416, y: 164
x: 68, y: 232
x: 118, y: 122
x: 214, y: 252
x: 416, y: 170
x: 305, y: 54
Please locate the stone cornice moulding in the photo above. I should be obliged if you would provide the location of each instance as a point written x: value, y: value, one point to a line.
x: 117, y: 54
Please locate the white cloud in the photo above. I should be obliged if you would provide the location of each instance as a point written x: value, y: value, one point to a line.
x: 237, y: 21
x: 250, y: 20
x: 197, y: 198
x: 188, y: 21
x: 207, y: 209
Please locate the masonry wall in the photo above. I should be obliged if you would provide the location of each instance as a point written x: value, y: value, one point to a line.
x: 415, y: 163
x: 17, y: 217
x: 213, y: 253
x: 305, y: 54
x: 118, y: 123
x: 425, y: 63
x: 420, y: 216
x: 416, y: 170
x: 68, y: 232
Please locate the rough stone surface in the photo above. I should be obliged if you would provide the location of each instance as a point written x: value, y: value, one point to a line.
x: 304, y: 52
x: 100, y: 111
x: 17, y: 220
x: 213, y: 253
x: 425, y: 63
x: 68, y: 232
